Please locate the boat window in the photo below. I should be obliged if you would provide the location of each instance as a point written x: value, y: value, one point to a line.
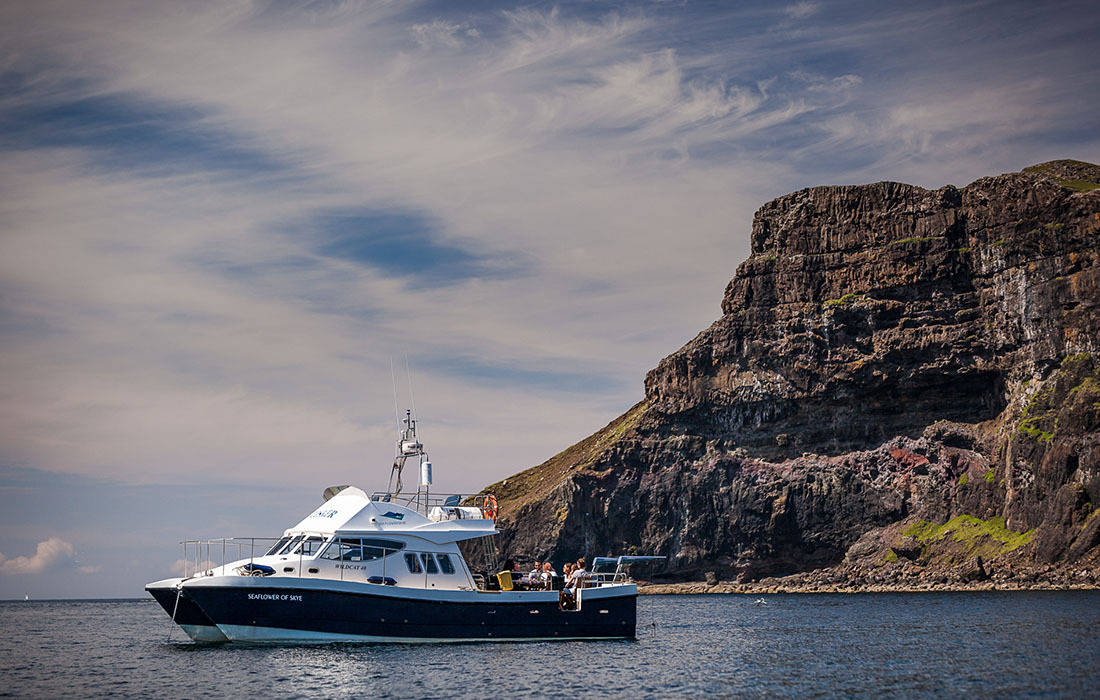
x: 429, y: 563
x: 290, y: 545
x: 413, y: 563
x: 343, y: 549
x: 278, y: 545
x: 445, y: 564
x: 310, y: 546
x: 375, y: 548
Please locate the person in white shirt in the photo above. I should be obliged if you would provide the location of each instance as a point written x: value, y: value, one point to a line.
x: 548, y: 575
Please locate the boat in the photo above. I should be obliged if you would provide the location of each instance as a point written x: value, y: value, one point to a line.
x: 390, y: 567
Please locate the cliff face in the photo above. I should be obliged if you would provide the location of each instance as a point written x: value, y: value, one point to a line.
x: 889, y: 360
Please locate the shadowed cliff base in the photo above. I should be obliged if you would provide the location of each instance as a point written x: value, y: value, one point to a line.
x: 888, y: 358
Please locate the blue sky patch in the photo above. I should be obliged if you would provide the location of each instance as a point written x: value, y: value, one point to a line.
x: 126, y: 133
x: 404, y: 244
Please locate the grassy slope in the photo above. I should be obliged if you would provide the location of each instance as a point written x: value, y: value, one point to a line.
x: 1087, y: 179
x: 537, y: 482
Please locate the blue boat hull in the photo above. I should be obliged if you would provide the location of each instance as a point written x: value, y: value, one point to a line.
x: 280, y: 612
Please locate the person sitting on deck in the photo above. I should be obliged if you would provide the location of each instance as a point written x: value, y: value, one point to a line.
x: 577, y: 578
x: 506, y: 578
x: 520, y: 579
x: 567, y: 598
x: 547, y: 576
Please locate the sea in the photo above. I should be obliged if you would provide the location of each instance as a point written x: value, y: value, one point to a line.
x: 1041, y: 644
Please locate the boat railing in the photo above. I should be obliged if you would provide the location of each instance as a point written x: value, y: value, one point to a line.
x: 595, y: 580
x: 257, y: 547
x: 525, y: 583
x: 601, y: 576
x: 451, y: 506
x: 201, y: 553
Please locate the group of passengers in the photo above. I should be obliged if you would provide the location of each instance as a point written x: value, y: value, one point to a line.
x: 543, y: 576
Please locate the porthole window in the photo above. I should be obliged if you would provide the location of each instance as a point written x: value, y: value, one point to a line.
x: 429, y: 563
x: 445, y: 564
x: 413, y: 562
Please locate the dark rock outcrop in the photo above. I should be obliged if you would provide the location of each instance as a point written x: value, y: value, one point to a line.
x: 887, y: 356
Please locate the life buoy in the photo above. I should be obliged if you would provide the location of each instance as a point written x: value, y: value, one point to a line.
x: 489, y: 508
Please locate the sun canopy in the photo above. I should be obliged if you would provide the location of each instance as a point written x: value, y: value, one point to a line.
x: 620, y: 561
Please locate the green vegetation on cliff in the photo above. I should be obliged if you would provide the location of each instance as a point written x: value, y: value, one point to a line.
x: 914, y: 239
x: 1075, y: 174
x: 1073, y: 389
x: 984, y: 538
x: 842, y: 301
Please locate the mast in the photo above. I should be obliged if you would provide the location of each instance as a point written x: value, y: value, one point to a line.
x: 409, y: 446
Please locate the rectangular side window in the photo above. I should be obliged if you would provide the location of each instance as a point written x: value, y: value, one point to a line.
x: 353, y: 553
x: 343, y: 550
x: 334, y: 551
x: 445, y: 564
x: 377, y: 548
x: 429, y: 563
x: 413, y: 563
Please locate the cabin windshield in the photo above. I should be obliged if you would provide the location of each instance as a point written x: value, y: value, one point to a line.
x: 278, y: 546
x: 291, y: 542
x: 308, y: 546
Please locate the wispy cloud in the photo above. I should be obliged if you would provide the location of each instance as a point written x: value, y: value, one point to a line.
x: 443, y: 33
x: 48, y: 554
x: 802, y: 10
x: 184, y: 567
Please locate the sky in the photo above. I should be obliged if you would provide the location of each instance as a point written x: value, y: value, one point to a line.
x: 226, y: 227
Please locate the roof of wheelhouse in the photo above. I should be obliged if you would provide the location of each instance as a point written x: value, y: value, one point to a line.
x: 352, y: 510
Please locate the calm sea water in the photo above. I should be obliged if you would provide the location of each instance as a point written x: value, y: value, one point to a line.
x: 937, y: 645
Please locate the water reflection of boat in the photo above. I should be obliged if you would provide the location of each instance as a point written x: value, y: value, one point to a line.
x: 386, y: 567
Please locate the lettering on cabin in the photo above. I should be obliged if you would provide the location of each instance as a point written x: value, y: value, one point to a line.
x: 349, y: 567
x: 324, y: 514
x: 276, y: 596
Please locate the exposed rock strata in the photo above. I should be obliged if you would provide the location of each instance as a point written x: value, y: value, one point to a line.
x: 888, y: 358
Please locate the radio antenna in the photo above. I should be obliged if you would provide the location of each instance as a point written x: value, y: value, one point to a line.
x: 396, y: 408
x: 412, y: 399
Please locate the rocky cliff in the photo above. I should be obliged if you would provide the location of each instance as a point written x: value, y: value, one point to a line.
x: 903, y: 383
